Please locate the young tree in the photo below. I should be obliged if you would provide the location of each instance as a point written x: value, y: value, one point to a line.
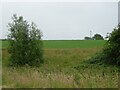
x: 25, y: 46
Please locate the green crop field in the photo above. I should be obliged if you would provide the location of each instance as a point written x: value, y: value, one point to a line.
x: 66, y: 43
x: 73, y: 43
x: 65, y: 66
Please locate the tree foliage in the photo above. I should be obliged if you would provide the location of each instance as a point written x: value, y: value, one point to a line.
x: 87, y: 38
x: 111, y: 51
x: 98, y: 37
x: 25, y: 46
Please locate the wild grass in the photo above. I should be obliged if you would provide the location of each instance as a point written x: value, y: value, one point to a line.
x: 62, y: 68
x: 34, y: 78
x: 0, y: 66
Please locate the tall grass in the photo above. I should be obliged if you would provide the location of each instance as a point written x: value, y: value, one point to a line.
x: 0, y: 65
x: 63, y: 68
x: 34, y: 78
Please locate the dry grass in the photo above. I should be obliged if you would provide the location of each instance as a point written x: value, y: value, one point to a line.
x: 32, y: 78
x: 58, y: 71
x: 0, y: 68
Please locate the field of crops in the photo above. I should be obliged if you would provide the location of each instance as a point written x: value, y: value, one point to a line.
x: 65, y: 66
x: 66, y: 43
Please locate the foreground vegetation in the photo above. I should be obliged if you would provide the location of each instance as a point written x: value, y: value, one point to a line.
x: 65, y: 66
x: 0, y: 68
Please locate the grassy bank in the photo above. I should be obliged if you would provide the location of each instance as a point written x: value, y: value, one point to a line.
x: 62, y: 68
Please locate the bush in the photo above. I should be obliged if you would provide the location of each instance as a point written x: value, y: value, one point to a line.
x: 112, y: 48
x: 25, y: 46
x: 111, y: 51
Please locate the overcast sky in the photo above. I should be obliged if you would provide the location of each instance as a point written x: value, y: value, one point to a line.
x: 64, y: 20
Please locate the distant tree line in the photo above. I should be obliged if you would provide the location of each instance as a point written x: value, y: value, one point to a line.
x: 3, y: 39
x: 95, y: 37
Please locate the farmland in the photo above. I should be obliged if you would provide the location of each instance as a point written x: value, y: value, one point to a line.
x: 65, y: 66
x: 66, y: 44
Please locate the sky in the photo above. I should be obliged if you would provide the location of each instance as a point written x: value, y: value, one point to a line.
x: 63, y: 20
x: 119, y: 12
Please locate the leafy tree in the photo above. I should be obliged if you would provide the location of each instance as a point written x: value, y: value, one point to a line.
x: 25, y: 46
x: 98, y: 37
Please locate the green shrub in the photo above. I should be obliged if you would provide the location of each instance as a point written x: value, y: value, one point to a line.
x: 25, y: 46
x: 112, y: 48
x: 111, y: 51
